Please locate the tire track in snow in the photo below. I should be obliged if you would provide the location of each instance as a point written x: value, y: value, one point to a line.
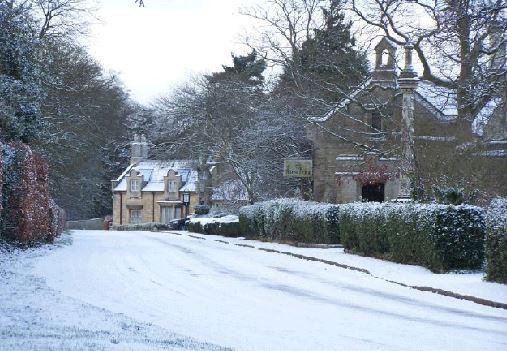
x: 311, y: 295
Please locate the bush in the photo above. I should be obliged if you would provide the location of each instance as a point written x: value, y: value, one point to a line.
x: 440, y: 237
x: 27, y: 213
x: 291, y: 220
x: 150, y: 226
x: 230, y: 229
x: 225, y: 226
x: 201, y: 209
x: 496, y: 241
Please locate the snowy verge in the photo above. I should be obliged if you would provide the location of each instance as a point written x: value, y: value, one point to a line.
x: 465, y: 283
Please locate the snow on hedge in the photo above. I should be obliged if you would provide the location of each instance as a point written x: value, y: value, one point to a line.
x: 496, y: 240
x: 440, y: 237
x: 206, y: 220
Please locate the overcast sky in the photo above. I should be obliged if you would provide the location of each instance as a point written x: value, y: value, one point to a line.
x: 155, y: 47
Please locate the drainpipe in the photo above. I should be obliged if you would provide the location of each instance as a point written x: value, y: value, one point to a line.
x: 121, y: 208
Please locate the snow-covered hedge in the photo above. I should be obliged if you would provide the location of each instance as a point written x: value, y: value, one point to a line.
x: 439, y: 237
x: 225, y: 226
x: 150, y: 226
x: 291, y: 220
x: 496, y: 241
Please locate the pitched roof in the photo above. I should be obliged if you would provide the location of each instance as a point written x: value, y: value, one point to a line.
x: 154, y: 171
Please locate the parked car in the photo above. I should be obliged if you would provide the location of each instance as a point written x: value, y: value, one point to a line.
x: 177, y: 224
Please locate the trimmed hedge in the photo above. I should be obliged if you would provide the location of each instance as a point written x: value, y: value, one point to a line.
x: 496, y: 241
x: 150, y: 226
x: 291, y: 220
x: 230, y: 229
x: 439, y: 237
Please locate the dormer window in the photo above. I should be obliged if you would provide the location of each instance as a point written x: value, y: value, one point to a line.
x: 171, y: 186
x: 134, y: 185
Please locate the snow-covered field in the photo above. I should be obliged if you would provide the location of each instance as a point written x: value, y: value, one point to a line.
x: 239, y: 297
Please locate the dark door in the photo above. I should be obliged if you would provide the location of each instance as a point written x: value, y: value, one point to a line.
x: 373, y: 192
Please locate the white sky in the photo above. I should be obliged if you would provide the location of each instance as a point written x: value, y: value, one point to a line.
x: 156, y: 47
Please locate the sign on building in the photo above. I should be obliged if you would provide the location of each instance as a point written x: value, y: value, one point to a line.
x: 297, y: 168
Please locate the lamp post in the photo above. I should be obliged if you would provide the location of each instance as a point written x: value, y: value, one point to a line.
x: 186, y: 202
x: 408, y: 84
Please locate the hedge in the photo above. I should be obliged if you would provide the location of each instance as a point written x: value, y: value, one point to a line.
x: 150, y: 226
x: 496, y: 241
x: 439, y: 237
x: 27, y: 211
x: 291, y: 220
x: 230, y: 229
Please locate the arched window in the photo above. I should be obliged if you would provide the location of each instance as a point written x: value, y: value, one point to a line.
x: 384, y: 58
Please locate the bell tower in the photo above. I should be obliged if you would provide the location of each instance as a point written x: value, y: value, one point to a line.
x: 385, y: 63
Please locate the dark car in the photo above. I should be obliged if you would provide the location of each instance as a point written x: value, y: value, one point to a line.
x: 177, y: 224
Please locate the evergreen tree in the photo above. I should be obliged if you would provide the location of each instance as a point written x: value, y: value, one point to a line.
x: 327, y: 66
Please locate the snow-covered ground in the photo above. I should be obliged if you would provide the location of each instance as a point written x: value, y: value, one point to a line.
x: 35, y: 317
x: 249, y: 299
x: 469, y: 283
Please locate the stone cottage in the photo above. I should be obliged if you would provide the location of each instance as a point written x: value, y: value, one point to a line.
x: 155, y: 190
x: 357, y: 146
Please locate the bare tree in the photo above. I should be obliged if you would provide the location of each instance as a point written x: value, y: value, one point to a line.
x: 460, y: 43
x: 63, y: 17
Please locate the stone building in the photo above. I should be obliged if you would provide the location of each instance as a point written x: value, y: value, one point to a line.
x: 357, y: 146
x: 155, y: 190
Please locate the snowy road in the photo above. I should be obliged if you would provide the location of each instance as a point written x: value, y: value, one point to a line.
x: 253, y: 300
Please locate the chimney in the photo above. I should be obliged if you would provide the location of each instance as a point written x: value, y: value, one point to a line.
x: 139, y: 149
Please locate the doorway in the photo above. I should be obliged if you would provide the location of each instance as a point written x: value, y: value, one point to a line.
x: 373, y: 192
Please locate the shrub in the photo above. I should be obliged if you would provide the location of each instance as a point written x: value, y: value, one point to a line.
x: 28, y: 213
x: 201, y: 209
x: 496, y: 241
x: 291, y: 220
x: 225, y: 226
x: 440, y: 237
x: 150, y: 226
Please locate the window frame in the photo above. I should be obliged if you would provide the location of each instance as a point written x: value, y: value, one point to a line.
x: 174, y: 186
x: 134, y: 189
x: 138, y: 217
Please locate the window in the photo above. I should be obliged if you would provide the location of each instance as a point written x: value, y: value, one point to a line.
x: 166, y: 214
x: 376, y: 121
x: 171, y: 186
x: 135, y: 216
x: 134, y: 185
x: 385, y: 58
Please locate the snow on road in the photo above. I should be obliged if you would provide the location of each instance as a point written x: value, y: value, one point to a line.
x: 253, y: 300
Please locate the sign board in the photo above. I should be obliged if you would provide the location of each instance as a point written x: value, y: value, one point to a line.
x: 297, y: 168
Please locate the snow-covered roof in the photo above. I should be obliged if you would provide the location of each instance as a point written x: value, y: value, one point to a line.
x: 484, y: 115
x: 154, y: 171
x: 443, y: 100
